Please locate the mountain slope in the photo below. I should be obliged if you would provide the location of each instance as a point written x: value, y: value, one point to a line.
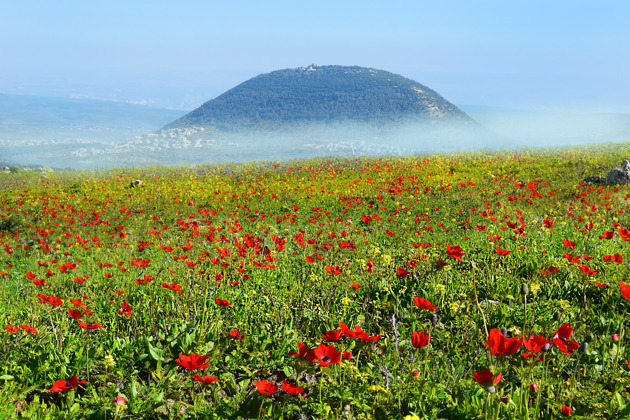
x: 327, y: 94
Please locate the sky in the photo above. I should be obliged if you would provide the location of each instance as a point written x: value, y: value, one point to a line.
x: 497, y: 54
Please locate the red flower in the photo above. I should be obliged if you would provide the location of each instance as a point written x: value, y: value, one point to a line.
x: 205, y: 379
x: 607, y: 235
x: 624, y: 233
x: 402, y: 273
x: 454, y: 252
x: 370, y: 265
x: 358, y: 333
x: 503, y: 252
x: 548, y: 223
x: 420, y: 339
x: 75, y: 313
x: 305, y: 353
x: 561, y: 339
x: 236, y: 334
x: 333, y: 270
x: 587, y: 270
x: 355, y: 286
x: 347, y: 355
x: 536, y: 344
x: 423, y: 303
x: 266, y: 388
x: 125, y: 309
x: 566, y: 410
x: 176, y: 287
x: 63, y: 386
x: 77, y: 302
x: 90, y: 326
x: 10, y: 328
x: 500, y: 345
x: 55, y: 301
x: 28, y: 328
x: 326, y: 355
x: 332, y: 336
x: 222, y: 302
x: 625, y: 290
x: 485, y: 378
x: 193, y: 361
x: 291, y: 389
x: 568, y: 244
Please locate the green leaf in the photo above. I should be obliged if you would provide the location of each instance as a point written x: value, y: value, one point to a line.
x: 620, y: 400
x: 157, y: 354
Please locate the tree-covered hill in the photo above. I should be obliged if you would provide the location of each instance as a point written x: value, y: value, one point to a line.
x: 322, y: 94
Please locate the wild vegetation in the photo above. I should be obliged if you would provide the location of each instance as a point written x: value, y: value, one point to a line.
x: 483, y: 285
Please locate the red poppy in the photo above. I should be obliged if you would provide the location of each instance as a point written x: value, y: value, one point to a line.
x: 598, y: 284
x: 266, y: 388
x: 624, y: 233
x: 222, y: 302
x: 587, y: 270
x: 39, y: 282
x: 75, y: 313
x: 347, y: 355
x: 402, y: 273
x: 236, y: 334
x: 176, y: 287
x: 548, y: 223
x: 55, y: 301
x: 28, y: 328
x: 454, y: 252
x: 10, y: 328
x: 305, y: 353
x: 90, y: 326
x: 207, y: 379
x: 370, y: 265
x: 333, y: 270
x: 291, y: 389
x: 503, y: 252
x: 332, y: 336
x: 326, y: 355
x: 64, y: 386
x: 119, y: 292
x: 423, y: 303
x: 420, y: 339
x: 485, y: 378
x: 355, y: 286
x: 358, y: 333
x: 625, y: 290
x: 568, y: 244
x: 77, y: 302
x: 193, y: 361
x: 561, y: 339
x: 607, y: 235
x: 536, y: 344
x: 125, y: 309
x: 566, y: 410
x: 500, y: 345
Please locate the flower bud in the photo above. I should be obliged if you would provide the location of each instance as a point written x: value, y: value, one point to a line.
x: 120, y: 400
x: 584, y: 347
x: 504, y: 331
x: 615, y: 337
x: 433, y: 320
x: 505, y: 399
x: 546, y: 348
x: 415, y: 372
x: 524, y: 289
x: 557, y: 316
x: 491, y: 390
x: 533, y: 387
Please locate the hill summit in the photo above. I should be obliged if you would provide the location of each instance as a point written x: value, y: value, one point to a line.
x: 322, y: 94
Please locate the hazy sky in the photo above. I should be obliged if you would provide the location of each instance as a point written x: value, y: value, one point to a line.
x: 180, y: 54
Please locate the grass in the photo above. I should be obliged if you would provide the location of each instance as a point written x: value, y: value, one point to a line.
x: 496, y: 241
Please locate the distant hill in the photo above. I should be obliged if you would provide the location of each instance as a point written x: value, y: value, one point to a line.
x: 25, y: 117
x: 322, y: 94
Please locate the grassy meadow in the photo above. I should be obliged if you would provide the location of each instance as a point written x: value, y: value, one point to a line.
x: 482, y: 285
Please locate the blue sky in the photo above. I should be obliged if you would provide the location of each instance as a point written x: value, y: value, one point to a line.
x: 515, y: 54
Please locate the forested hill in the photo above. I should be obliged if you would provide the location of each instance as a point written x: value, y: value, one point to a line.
x: 321, y: 94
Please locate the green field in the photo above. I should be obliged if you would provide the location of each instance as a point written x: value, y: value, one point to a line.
x: 371, y: 288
